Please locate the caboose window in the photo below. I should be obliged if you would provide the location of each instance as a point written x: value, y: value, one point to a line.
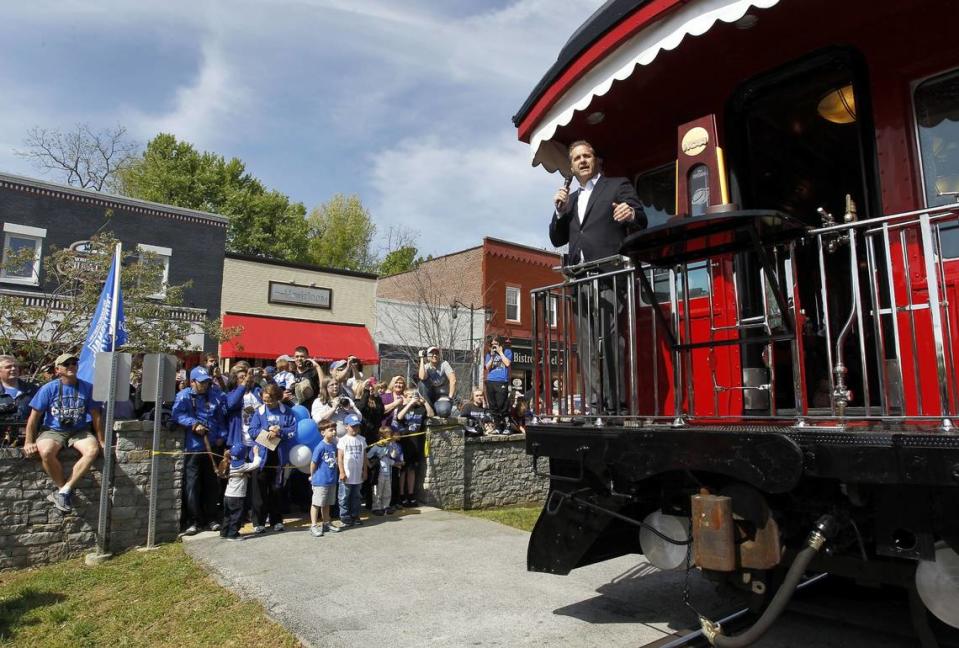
x: 657, y: 192
x: 937, y: 122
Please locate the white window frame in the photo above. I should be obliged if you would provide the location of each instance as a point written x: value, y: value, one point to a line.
x: 164, y: 253
x: 35, y: 234
x: 519, y: 304
x: 553, y: 311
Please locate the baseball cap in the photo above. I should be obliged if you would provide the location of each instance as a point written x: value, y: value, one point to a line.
x: 283, y: 357
x: 200, y: 374
x: 352, y: 419
x: 432, y: 349
x: 337, y: 364
x: 269, y: 370
x: 238, y: 454
x: 64, y: 357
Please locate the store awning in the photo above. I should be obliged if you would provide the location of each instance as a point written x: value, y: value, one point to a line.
x: 269, y: 337
x: 693, y: 19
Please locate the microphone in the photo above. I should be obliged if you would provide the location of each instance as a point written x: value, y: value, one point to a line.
x: 566, y: 184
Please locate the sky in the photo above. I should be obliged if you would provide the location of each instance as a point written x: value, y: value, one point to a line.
x: 406, y: 103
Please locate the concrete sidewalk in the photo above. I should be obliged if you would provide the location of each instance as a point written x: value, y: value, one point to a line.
x: 436, y: 578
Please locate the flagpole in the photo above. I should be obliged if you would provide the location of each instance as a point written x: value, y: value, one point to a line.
x: 106, y: 481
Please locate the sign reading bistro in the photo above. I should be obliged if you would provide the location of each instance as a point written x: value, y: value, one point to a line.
x: 284, y: 293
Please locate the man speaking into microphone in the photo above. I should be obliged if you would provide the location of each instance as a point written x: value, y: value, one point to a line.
x: 594, y: 220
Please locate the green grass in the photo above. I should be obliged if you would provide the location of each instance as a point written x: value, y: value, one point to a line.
x: 520, y: 517
x: 157, y: 598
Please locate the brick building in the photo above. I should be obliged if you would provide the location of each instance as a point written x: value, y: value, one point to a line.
x: 36, y: 215
x: 280, y: 305
x: 433, y: 304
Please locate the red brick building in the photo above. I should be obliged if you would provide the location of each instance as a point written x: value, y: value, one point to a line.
x: 495, y: 278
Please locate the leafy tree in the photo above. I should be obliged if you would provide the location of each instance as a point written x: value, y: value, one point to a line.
x: 81, y: 157
x: 38, y: 329
x: 263, y: 222
x: 401, y: 260
x: 341, y: 235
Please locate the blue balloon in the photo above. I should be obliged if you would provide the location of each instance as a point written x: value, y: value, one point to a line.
x: 300, y: 413
x: 307, y: 433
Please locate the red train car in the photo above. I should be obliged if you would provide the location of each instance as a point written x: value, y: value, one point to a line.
x: 782, y: 370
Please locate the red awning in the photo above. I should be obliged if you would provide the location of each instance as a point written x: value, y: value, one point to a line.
x: 269, y: 337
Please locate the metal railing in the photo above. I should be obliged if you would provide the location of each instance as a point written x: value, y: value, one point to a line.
x: 867, y: 323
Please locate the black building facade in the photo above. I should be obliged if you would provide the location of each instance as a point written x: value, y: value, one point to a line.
x: 37, y: 215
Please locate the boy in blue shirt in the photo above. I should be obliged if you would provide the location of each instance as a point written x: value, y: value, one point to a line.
x: 68, y: 412
x: 324, y: 475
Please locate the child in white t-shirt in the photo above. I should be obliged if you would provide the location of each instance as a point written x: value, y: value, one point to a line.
x: 351, y: 460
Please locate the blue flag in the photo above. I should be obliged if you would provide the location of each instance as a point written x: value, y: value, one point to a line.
x: 107, y: 319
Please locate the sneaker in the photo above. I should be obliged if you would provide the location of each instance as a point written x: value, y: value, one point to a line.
x: 278, y: 526
x: 331, y: 528
x: 63, y: 502
x: 234, y: 538
x: 377, y: 511
x: 389, y: 510
x: 259, y: 529
x: 214, y: 526
x: 358, y: 522
x: 190, y: 530
x: 412, y: 503
x: 316, y: 531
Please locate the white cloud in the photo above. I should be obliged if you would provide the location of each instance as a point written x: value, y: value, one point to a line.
x: 453, y: 195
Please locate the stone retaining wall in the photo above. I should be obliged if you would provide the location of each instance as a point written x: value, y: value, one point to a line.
x: 33, y: 532
x: 480, y: 472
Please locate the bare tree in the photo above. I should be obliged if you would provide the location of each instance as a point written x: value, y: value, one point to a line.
x: 82, y: 157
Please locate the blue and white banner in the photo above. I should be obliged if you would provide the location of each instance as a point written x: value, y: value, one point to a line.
x: 108, y: 326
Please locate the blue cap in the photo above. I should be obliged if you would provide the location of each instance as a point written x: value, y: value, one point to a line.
x: 352, y: 419
x: 238, y: 453
x: 200, y: 374
x: 338, y: 364
x: 269, y: 370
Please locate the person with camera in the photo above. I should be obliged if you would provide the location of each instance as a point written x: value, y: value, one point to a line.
x: 475, y: 412
x: 199, y: 410
x: 347, y: 372
x: 410, y: 421
x: 437, y: 381
x: 371, y: 408
x: 212, y: 365
x: 497, y: 363
x: 306, y: 378
x: 66, y: 411
x: 331, y: 405
x: 14, y: 401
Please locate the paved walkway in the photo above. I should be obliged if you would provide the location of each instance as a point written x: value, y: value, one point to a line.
x: 436, y: 578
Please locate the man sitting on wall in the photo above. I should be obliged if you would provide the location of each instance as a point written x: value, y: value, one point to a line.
x: 67, y: 411
x: 437, y: 381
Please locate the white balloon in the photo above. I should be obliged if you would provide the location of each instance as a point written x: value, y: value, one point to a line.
x: 304, y: 469
x: 300, y: 456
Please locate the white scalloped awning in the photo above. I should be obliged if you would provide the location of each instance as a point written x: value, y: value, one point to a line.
x: 695, y: 18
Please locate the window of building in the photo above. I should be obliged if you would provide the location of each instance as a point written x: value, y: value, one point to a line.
x: 937, y: 124
x: 158, y: 258
x: 22, y: 246
x: 512, y: 304
x: 552, y: 314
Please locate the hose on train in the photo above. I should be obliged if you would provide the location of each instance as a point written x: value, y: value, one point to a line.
x: 824, y: 530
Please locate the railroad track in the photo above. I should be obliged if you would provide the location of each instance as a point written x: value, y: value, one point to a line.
x: 823, y: 605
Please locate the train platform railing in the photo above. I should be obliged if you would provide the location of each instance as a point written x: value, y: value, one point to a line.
x: 855, y: 321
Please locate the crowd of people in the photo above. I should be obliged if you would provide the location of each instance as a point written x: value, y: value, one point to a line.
x: 239, y: 428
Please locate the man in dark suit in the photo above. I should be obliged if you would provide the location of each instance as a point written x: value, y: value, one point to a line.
x: 594, y: 220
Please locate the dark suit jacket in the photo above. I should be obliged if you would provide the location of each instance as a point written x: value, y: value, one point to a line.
x: 599, y: 236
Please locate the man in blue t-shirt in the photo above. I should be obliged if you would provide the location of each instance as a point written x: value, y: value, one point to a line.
x: 65, y: 410
x: 497, y: 363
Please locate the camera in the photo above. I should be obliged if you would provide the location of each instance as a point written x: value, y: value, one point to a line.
x: 422, y: 353
x: 344, y: 402
x: 68, y: 421
x: 7, y: 404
